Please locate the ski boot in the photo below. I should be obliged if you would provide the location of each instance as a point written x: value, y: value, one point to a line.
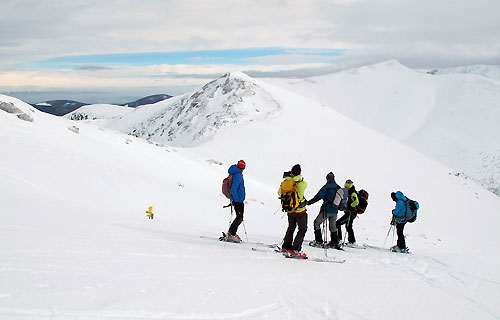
x: 231, y: 238
x: 296, y: 254
x: 335, y: 243
x: 316, y: 244
x: 398, y: 250
x: 351, y: 245
x: 318, y: 240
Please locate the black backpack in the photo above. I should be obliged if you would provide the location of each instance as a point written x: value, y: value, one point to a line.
x: 413, y: 205
x: 363, y: 201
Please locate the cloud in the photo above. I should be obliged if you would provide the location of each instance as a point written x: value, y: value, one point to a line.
x: 421, y: 33
x: 79, y: 27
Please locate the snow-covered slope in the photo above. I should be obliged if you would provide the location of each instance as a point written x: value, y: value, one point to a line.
x: 451, y: 118
x: 76, y: 243
x: 193, y: 118
x: 489, y: 71
x: 97, y: 112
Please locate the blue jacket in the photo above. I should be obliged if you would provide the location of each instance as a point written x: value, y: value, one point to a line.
x: 327, y: 194
x: 400, y: 212
x: 237, y: 184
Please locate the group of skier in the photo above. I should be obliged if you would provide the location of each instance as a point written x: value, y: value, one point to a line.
x: 335, y: 199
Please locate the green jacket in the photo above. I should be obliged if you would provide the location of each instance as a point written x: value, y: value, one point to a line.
x: 301, y: 188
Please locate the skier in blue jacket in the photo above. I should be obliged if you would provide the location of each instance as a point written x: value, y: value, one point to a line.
x: 399, y: 215
x: 332, y: 196
x: 237, y: 198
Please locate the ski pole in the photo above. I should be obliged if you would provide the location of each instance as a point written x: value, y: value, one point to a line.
x: 325, y: 230
x: 346, y: 226
x: 393, y: 232
x: 230, y: 220
x: 245, y: 228
x: 387, y: 235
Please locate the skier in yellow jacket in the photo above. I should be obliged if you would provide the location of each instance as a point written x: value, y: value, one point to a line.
x: 297, y: 217
x: 350, y: 213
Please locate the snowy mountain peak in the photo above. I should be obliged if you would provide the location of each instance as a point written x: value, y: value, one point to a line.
x: 392, y: 66
x: 392, y: 63
x: 193, y: 118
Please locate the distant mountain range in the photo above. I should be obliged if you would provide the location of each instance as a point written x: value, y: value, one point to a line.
x: 147, y: 100
x: 62, y: 107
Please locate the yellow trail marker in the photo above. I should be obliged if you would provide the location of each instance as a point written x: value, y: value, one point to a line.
x: 150, y: 213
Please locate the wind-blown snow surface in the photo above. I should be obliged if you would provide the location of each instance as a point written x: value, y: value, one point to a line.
x: 452, y: 118
x: 76, y: 243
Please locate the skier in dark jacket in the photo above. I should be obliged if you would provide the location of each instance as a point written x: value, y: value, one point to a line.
x: 350, y: 213
x: 399, y: 215
x: 332, y: 195
x: 237, y: 198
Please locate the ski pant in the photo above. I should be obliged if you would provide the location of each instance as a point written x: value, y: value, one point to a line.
x: 294, y: 220
x: 347, y: 219
x: 332, y: 218
x: 238, y: 208
x: 401, y: 236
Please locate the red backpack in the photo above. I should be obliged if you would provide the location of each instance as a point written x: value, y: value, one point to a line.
x: 363, y: 201
x: 226, y: 186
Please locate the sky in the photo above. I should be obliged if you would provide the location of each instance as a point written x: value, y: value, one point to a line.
x: 98, y: 50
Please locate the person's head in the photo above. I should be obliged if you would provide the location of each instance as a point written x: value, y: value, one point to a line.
x: 296, y: 170
x: 348, y: 184
x: 330, y: 176
x: 393, y: 196
x: 241, y: 164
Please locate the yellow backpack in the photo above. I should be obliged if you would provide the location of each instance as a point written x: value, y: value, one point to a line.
x: 289, y: 197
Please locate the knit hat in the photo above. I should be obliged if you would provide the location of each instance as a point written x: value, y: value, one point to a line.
x: 348, y: 183
x: 296, y: 170
x: 330, y: 176
x: 241, y: 164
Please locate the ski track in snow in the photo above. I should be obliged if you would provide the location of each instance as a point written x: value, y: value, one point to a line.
x: 444, y: 277
x: 431, y: 270
x: 256, y: 313
x: 20, y: 178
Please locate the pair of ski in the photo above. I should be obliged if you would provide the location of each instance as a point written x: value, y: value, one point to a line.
x: 287, y: 254
x: 323, y: 246
x: 258, y: 246
x: 385, y: 249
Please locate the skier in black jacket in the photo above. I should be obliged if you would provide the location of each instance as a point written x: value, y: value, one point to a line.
x: 350, y: 213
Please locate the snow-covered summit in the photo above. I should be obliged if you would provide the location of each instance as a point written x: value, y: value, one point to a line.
x: 193, y: 118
